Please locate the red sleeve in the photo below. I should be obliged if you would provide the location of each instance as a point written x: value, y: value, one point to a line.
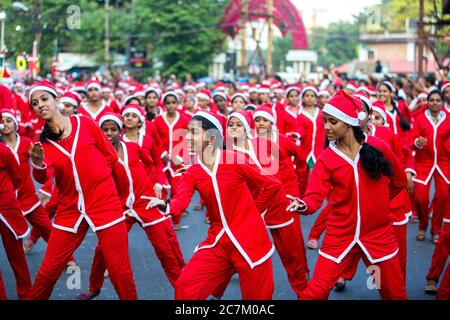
x: 398, y: 178
x: 301, y: 167
x: 157, y: 164
x: 318, y: 187
x: 270, y: 187
x: 102, y: 143
x: 181, y: 201
x: 45, y: 174
x: 13, y: 168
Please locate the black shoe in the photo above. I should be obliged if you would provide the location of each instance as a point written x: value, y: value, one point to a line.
x: 339, y: 286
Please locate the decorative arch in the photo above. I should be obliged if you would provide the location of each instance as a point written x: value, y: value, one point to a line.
x: 286, y: 18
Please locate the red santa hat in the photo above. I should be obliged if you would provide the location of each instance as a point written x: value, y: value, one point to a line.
x: 445, y: 85
x: 309, y: 88
x: 295, y: 87
x: 324, y: 93
x: 189, y: 87
x: 277, y: 87
x: 154, y: 90
x: 379, y: 107
x: 70, y: 98
x: 94, y: 84
x: 8, y: 114
x: 351, y: 85
x: 204, y: 95
x: 239, y: 95
x: 135, y: 109
x: 422, y: 95
x: 218, y: 120
x: 42, y: 86
x: 200, y: 85
x: 118, y: 91
x: 123, y: 84
x: 78, y: 86
x: 220, y: 87
x: 112, y: 117
x: 128, y: 99
x: 246, y: 118
x: 264, y: 88
x: 264, y: 111
x: 244, y: 86
x: 250, y: 107
x: 2, y: 126
x: 389, y: 85
x: 106, y: 89
x: 170, y: 93
x: 220, y: 94
x: 371, y: 90
x: 253, y: 89
x: 344, y: 107
x: 364, y: 98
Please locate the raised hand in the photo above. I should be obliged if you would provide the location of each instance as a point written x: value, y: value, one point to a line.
x: 36, y: 153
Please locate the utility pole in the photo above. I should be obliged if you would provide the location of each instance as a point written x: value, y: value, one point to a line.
x: 421, y: 38
x: 244, y: 19
x: 107, y: 58
x: 37, y: 26
x: 270, y: 36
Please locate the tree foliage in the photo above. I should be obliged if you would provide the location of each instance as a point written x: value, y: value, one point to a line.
x: 181, y: 34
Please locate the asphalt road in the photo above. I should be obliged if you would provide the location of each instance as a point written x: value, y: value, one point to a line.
x: 151, y: 282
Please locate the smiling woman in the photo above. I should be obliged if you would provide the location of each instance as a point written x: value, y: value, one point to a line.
x: 87, y: 198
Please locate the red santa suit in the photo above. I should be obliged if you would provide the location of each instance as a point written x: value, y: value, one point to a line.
x: 393, y: 120
x: 86, y: 111
x: 30, y: 203
x: 312, y: 134
x: 13, y: 226
x: 87, y: 198
x: 433, y: 160
x: 359, y: 225
x: 171, y: 137
x: 133, y: 182
x: 237, y: 239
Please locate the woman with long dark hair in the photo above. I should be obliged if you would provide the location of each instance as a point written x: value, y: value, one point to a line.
x: 358, y: 175
x: 70, y: 146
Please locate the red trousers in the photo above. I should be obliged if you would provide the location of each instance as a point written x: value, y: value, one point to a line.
x: 289, y: 243
x: 173, y: 182
x: 40, y: 221
x: 319, y: 225
x: 62, y: 244
x: 209, y: 268
x: 327, y: 272
x: 16, y: 258
x: 157, y: 234
x: 400, y: 235
x: 291, y: 248
x: 443, y: 292
x: 50, y: 211
x: 440, y: 254
x: 422, y: 195
x: 2, y: 289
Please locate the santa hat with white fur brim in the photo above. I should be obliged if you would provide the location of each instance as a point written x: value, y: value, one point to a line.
x: 378, y: 106
x: 309, y: 88
x: 245, y: 118
x: 94, y: 84
x: 43, y: 86
x: 7, y: 113
x: 445, y: 85
x: 135, y: 109
x: 344, y: 107
x: 112, y: 117
x: 216, y: 119
x: 265, y: 112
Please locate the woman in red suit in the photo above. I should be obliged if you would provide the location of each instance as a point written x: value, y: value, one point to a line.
x: 430, y: 141
x: 237, y: 239
x: 349, y: 173
x: 69, y: 146
x: 30, y: 203
x: 132, y: 173
x: 13, y: 226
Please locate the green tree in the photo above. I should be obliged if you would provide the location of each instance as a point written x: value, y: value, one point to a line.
x: 336, y: 44
x: 281, y: 48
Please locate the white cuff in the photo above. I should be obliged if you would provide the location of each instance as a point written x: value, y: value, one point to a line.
x: 39, y: 168
x: 45, y: 193
x: 301, y: 201
x: 414, y: 173
x: 179, y: 158
x: 159, y: 186
x: 165, y: 153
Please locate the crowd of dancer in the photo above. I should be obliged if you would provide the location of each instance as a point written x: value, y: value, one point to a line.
x: 110, y: 154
